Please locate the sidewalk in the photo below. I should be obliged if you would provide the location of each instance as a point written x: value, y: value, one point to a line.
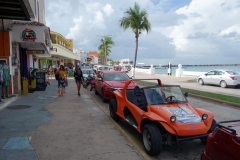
x: 68, y: 127
x: 7, y: 101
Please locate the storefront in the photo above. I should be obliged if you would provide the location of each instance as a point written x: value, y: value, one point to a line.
x: 30, y: 40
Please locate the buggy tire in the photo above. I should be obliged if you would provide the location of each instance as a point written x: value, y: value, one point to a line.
x: 113, y: 110
x: 213, y: 126
x: 152, y: 139
x: 96, y: 92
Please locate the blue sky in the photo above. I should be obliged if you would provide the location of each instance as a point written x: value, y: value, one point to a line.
x: 183, y: 31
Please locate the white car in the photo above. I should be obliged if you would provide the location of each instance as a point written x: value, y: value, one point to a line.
x: 86, y: 72
x: 223, y: 78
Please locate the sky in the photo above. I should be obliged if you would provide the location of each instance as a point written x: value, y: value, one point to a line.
x: 183, y: 31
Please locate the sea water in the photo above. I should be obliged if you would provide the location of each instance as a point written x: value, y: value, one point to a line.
x: 164, y: 70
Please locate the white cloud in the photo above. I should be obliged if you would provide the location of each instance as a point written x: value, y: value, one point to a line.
x: 202, y: 29
x: 108, y: 10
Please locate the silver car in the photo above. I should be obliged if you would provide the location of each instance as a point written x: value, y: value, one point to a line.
x: 87, y: 72
x: 223, y: 78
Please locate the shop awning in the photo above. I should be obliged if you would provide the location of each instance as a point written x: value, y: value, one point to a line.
x: 63, y: 52
x: 16, y: 10
x: 77, y: 60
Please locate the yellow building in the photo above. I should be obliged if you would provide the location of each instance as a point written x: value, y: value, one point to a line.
x: 61, y: 52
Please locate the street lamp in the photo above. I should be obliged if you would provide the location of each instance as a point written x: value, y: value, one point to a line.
x: 105, y: 54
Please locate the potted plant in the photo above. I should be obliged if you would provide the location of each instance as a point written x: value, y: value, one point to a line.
x: 33, y: 77
x: 25, y: 85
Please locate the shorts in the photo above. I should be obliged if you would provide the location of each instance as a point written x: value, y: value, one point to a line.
x: 78, y: 82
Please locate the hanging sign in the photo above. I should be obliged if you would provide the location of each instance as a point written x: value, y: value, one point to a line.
x: 34, y: 52
x: 28, y: 35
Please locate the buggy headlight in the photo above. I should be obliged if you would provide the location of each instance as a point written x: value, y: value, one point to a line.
x: 204, y: 116
x: 173, y: 119
x: 110, y: 88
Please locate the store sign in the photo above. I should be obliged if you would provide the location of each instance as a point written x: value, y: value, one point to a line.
x: 34, y: 52
x: 89, y: 60
x: 28, y: 35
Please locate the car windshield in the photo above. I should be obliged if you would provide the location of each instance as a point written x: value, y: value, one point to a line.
x: 232, y: 73
x: 164, y: 95
x: 115, y: 77
x: 87, y: 71
x: 103, y: 68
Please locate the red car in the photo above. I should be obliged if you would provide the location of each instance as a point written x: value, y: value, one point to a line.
x: 224, y: 142
x: 108, y: 81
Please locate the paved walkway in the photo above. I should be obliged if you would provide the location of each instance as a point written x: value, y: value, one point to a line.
x: 68, y: 127
x: 190, y: 83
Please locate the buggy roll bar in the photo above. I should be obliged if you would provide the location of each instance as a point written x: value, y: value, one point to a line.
x: 232, y: 130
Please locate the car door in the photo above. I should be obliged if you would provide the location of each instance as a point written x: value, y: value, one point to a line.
x: 208, y: 78
x: 218, y: 77
x: 100, y: 83
x: 97, y: 82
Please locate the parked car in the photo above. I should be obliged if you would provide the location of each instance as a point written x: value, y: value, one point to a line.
x: 223, y: 78
x: 224, y: 142
x: 162, y: 114
x: 101, y: 68
x: 108, y: 81
x: 87, y: 72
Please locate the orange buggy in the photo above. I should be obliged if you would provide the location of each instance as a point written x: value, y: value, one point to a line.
x: 162, y: 114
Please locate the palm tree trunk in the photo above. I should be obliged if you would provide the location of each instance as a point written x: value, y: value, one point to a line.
x: 135, y: 59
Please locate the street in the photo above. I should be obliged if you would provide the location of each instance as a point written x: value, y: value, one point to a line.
x: 189, y: 149
x: 72, y: 127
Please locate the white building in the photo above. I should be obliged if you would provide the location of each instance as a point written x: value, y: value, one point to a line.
x: 24, y: 37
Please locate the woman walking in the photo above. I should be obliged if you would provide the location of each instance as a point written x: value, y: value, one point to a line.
x: 78, y: 78
x: 61, y: 80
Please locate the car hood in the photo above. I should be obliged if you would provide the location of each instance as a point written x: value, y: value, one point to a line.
x: 119, y: 84
x: 188, y: 122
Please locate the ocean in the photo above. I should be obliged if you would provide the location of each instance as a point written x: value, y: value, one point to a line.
x: 164, y: 70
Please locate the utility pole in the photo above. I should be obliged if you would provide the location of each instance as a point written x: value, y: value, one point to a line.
x: 105, y: 54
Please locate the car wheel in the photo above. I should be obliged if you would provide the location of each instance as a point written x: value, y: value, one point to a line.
x: 103, y: 96
x: 113, y: 110
x: 96, y: 92
x: 200, y: 81
x: 152, y: 139
x: 213, y: 126
x: 223, y: 84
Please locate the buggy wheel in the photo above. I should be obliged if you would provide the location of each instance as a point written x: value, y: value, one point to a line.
x: 152, y: 139
x: 113, y: 110
x: 96, y: 92
x: 213, y: 126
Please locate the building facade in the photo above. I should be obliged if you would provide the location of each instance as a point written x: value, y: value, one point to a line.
x: 22, y: 42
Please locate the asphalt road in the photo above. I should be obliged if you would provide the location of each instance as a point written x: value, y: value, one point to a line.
x: 189, y: 150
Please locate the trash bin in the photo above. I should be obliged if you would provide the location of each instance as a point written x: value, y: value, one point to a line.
x: 25, y: 86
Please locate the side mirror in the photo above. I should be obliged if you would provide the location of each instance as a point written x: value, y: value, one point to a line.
x: 186, y: 94
x: 205, y: 74
x: 100, y: 79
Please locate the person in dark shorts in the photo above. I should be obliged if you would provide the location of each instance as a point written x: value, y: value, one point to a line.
x: 78, y: 78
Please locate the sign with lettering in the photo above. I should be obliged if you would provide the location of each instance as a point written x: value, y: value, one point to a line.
x: 28, y: 35
x: 34, y: 52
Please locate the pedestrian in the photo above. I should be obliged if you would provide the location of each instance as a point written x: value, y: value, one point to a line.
x: 50, y: 71
x: 61, y: 80
x: 78, y: 78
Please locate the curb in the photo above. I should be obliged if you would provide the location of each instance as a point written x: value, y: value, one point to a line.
x: 9, y: 102
x: 209, y: 99
x: 143, y: 153
x: 215, y: 100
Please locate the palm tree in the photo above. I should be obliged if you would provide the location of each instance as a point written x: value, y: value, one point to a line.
x: 137, y: 20
x: 117, y: 62
x: 104, y: 48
